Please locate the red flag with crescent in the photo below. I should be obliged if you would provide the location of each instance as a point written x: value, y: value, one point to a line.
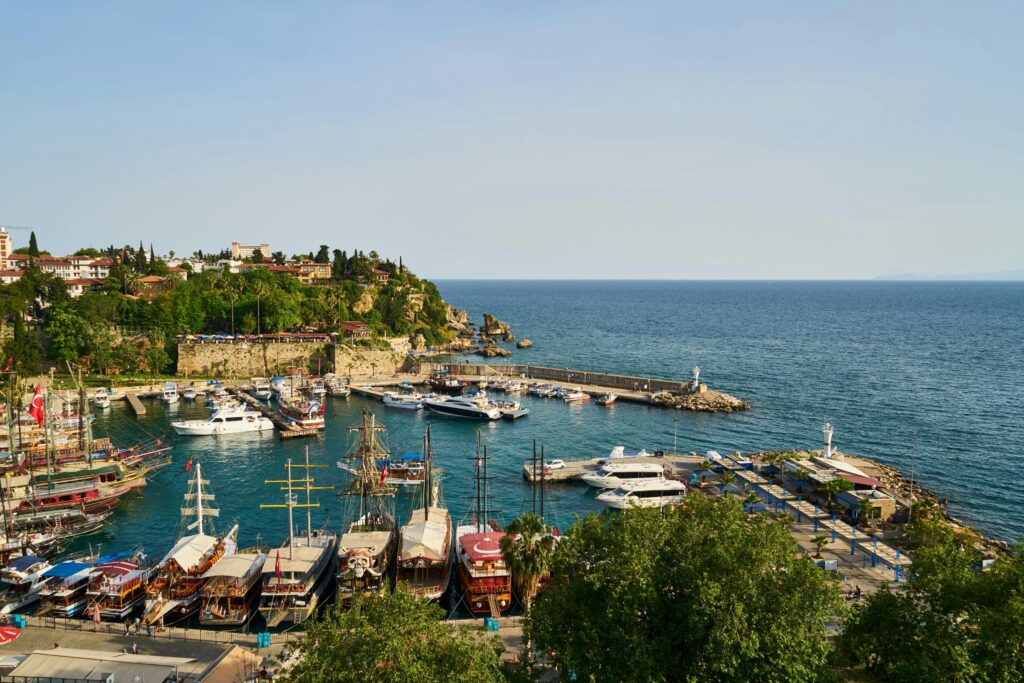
x: 188, y: 465
x: 277, y: 567
x: 36, y: 407
x: 384, y: 473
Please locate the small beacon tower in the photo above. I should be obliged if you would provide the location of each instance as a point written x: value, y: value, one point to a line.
x: 827, y: 431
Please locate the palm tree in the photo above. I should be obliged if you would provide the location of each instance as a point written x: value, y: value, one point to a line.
x: 819, y: 543
x: 527, y: 547
x: 727, y: 477
x: 864, y: 508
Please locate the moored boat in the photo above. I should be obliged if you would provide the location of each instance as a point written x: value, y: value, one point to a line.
x: 225, y: 421
x: 472, y: 407
x: 20, y: 582
x: 170, y: 393
x: 64, y: 589
x: 611, y: 474
x: 259, y: 388
x: 606, y: 399
x: 232, y: 590
x: 485, y: 579
x: 393, y: 399
x: 101, y: 398
x: 643, y: 493
x: 445, y: 382
x: 424, y: 562
x: 117, y: 587
x: 305, y: 414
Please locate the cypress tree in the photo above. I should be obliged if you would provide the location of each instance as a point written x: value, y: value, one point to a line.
x: 33, y: 246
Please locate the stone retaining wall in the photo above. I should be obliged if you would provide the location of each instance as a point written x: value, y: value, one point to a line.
x: 250, y: 359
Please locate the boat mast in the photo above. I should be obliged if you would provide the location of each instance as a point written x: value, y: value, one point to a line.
x: 199, y: 496
x: 484, y: 498
x: 309, y: 513
x: 291, y: 506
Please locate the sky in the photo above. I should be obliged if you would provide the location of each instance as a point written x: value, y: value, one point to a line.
x: 525, y: 140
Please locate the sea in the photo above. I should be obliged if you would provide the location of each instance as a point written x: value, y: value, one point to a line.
x: 925, y: 376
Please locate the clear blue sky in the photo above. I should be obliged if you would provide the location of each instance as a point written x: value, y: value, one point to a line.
x: 528, y: 139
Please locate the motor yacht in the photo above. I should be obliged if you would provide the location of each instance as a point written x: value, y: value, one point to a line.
x: 655, y: 493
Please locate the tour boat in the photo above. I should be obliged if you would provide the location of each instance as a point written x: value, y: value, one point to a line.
x: 259, y: 388
x: 225, y: 421
x: 305, y: 414
x: 117, y: 587
x: 653, y: 493
x: 405, y: 470
x: 335, y: 387
x: 298, y: 576
x: 64, y: 589
x: 189, y: 394
x: 21, y: 581
x: 101, y: 398
x: 485, y: 579
x: 317, y: 388
x: 606, y: 399
x: 472, y: 407
x: 170, y: 394
x: 575, y: 396
x: 445, y: 382
x: 177, y: 582
x: 425, y: 546
x: 232, y: 590
x: 612, y: 474
x: 393, y: 399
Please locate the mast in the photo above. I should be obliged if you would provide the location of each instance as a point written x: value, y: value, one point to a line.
x: 199, y: 496
x: 533, y: 474
x: 542, y: 482
x: 477, y: 507
x: 309, y: 513
x: 485, y: 490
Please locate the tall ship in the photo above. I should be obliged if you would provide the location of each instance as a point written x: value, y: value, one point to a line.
x: 231, y: 594
x: 299, y: 576
x: 424, y: 564
x: 485, y: 579
x: 366, y: 551
x: 177, y: 582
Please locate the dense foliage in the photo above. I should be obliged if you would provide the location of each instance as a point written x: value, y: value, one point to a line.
x: 950, y: 622
x: 395, y: 638
x: 701, y: 593
x: 118, y: 327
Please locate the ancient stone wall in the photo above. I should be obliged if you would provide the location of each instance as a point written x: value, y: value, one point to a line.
x: 251, y: 359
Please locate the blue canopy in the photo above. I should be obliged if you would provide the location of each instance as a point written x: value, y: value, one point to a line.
x: 21, y: 563
x: 412, y: 456
x: 66, y: 569
x: 113, y: 557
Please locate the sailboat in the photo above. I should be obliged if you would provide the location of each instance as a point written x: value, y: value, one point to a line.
x: 177, y: 582
x: 425, y: 546
x: 298, y: 576
x: 485, y: 578
x: 366, y: 551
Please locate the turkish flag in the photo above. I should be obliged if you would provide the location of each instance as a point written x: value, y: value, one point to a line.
x: 188, y: 465
x: 277, y: 567
x: 384, y: 473
x: 36, y: 408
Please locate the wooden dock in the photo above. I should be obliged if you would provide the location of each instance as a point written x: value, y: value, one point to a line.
x: 677, y: 466
x: 286, y: 430
x: 136, y: 404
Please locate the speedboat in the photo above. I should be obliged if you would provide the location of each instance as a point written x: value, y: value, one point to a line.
x: 316, y: 388
x: 335, y: 387
x: 101, y: 398
x: 654, y: 493
x: 613, y: 474
x: 225, y: 421
x: 170, y: 394
x: 575, y: 396
x: 259, y: 388
x: 189, y: 394
x: 472, y: 407
x: 407, y: 401
x: 606, y: 399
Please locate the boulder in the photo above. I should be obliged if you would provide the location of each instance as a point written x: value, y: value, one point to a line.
x: 493, y: 327
x: 524, y: 343
x: 493, y: 351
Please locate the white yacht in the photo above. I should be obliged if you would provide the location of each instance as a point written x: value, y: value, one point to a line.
x: 259, y: 388
x: 189, y: 394
x: 654, y: 493
x: 612, y: 474
x: 394, y: 399
x: 225, y: 421
x: 20, y: 582
x: 101, y: 398
x: 575, y: 396
x: 473, y: 407
x: 170, y: 394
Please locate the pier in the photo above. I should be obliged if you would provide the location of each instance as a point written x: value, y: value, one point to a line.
x: 136, y: 404
x: 677, y: 466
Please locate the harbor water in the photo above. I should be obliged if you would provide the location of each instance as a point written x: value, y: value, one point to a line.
x: 925, y: 376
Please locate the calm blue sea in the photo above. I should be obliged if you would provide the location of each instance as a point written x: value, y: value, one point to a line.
x: 889, y: 364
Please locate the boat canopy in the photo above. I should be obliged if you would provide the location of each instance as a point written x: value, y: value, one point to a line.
x: 297, y: 560
x: 20, y: 564
x: 113, y: 557
x: 66, y: 570
x: 426, y: 538
x: 118, y: 568
x: 482, y: 547
x: 189, y: 550
x: 374, y: 541
x: 76, y: 474
x: 412, y: 456
x: 236, y: 566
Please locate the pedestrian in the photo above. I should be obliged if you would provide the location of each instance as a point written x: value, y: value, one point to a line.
x: 138, y: 627
x: 135, y: 648
x: 127, y: 626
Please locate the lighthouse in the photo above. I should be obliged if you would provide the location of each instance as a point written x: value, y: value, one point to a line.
x: 827, y: 431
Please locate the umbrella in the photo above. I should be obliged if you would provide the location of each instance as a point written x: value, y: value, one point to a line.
x: 8, y: 633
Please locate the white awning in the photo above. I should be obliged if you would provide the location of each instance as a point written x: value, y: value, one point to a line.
x: 427, y: 538
x: 189, y: 550
x: 236, y: 566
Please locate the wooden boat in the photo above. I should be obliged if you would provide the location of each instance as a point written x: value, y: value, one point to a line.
x: 64, y: 591
x: 305, y: 414
x: 232, y: 590
x: 445, y: 382
x: 117, y: 587
x: 424, y: 564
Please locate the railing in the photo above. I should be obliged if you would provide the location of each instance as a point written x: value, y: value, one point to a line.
x: 172, y: 633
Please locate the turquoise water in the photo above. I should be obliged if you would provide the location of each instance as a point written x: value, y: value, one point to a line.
x: 886, y: 363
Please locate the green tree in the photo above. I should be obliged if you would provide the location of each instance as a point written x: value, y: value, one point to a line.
x: 703, y: 592
x: 279, y: 258
x: 33, y: 246
x: 819, y: 543
x: 127, y: 356
x: 23, y: 346
x: 68, y: 335
x: 257, y: 256
x: 339, y: 264
x: 323, y: 255
x: 394, y: 637
x: 528, y: 546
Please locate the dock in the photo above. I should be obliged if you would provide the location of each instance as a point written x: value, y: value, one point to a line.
x: 677, y: 466
x: 136, y: 404
x: 286, y: 430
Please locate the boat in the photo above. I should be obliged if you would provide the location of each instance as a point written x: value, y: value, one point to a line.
x: 225, y: 421
x: 620, y: 452
x: 645, y: 493
x: 606, y: 399
x: 367, y: 549
x: 299, y: 576
x: 424, y: 562
x: 336, y: 387
x: 170, y: 394
x: 611, y: 474
x: 445, y: 382
x: 189, y: 394
x: 485, y: 579
x: 316, y: 388
x: 20, y: 582
x: 575, y: 396
x: 514, y: 387
x: 393, y: 399
x: 473, y: 407
x: 101, y: 398
x: 259, y: 388
x: 176, y: 584
x: 512, y: 410
x: 231, y: 594
x: 406, y: 470
x: 305, y: 414
x: 117, y: 587
x: 64, y: 589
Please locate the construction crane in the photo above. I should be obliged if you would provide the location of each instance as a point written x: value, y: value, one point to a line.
x: 15, y: 227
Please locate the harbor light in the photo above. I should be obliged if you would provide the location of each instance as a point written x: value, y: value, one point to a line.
x: 827, y: 431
